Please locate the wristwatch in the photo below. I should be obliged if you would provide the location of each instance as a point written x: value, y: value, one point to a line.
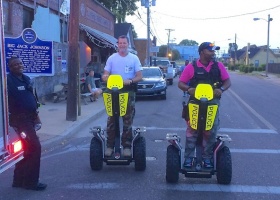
x: 222, y: 88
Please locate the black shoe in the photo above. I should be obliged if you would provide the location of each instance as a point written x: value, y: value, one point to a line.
x: 207, y: 163
x: 188, y: 162
x: 38, y: 187
x: 17, y: 185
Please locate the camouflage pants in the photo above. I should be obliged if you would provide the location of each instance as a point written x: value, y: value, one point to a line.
x: 208, y: 141
x: 127, y: 125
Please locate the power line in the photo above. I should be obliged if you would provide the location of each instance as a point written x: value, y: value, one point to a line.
x: 160, y: 41
x: 214, y: 18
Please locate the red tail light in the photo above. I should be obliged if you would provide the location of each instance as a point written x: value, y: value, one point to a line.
x: 16, y: 146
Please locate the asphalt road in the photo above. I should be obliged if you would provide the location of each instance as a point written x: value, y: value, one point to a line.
x: 249, y: 114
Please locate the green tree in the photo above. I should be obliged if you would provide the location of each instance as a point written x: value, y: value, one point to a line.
x: 134, y: 32
x: 187, y: 42
x: 162, y: 53
x: 120, y: 8
x: 175, y: 54
x: 232, y: 47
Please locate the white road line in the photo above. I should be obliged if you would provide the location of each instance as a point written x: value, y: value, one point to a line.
x: 94, y: 186
x: 224, y: 188
x: 261, y: 151
x: 153, y: 158
x: 186, y: 187
x: 236, y: 130
x: 221, y: 130
x: 263, y: 120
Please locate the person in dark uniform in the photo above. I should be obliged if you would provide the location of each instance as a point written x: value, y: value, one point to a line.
x: 23, y: 116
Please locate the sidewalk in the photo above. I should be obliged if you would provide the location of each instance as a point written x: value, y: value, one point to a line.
x: 54, y: 124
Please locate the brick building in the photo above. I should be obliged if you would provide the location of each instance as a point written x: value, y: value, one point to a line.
x: 97, y: 40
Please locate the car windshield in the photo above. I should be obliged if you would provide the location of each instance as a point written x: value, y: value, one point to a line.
x: 162, y: 62
x: 151, y: 72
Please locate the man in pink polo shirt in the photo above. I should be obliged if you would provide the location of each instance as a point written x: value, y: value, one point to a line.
x: 204, y: 70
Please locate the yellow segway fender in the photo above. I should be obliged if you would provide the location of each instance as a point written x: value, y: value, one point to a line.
x: 203, y: 91
x: 115, y: 81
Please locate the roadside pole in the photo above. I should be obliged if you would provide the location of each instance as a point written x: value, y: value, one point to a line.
x: 73, y: 60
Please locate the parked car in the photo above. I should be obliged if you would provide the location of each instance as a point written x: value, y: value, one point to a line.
x: 167, y: 68
x: 176, y: 68
x: 153, y: 83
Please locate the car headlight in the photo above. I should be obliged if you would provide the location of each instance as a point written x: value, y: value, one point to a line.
x: 161, y: 84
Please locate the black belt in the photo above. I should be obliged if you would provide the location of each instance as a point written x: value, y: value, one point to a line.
x: 30, y: 115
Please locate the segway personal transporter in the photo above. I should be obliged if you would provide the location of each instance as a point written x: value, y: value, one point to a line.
x: 116, y: 106
x: 202, y: 115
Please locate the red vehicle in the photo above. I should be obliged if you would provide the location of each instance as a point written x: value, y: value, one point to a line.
x: 11, y: 150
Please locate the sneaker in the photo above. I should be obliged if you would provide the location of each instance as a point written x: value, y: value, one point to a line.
x: 188, y: 162
x: 37, y: 187
x: 127, y: 152
x: 207, y: 163
x: 108, y: 151
x: 17, y: 185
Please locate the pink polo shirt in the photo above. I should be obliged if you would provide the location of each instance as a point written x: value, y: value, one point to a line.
x: 188, y: 72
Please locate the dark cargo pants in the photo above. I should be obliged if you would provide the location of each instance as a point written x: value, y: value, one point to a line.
x: 27, y: 170
x: 209, y: 138
x: 127, y: 125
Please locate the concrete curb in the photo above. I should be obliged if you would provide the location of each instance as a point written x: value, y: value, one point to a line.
x: 53, y: 142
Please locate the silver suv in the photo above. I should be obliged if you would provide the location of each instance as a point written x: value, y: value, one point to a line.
x: 167, y: 68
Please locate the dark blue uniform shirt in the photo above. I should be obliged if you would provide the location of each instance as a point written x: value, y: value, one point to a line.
x: 20, y: 95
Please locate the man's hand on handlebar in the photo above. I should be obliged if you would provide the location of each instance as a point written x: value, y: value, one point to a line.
x: 218, y: 93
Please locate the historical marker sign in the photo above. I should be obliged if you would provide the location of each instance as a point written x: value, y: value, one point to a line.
x: 36, y: 54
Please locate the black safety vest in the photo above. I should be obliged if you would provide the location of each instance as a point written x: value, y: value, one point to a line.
x: 213, y: 77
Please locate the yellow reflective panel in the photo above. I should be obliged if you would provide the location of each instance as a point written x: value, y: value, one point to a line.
x: 193, y: 113
x: 123, y: 100
x: 211, y: 115
x: 107, y: 97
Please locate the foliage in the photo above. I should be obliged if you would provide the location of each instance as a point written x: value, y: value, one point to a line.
x: 187, y: 42
x: 175, y: 54
x: 232, y: 47
x: 120, y: 8
x: 134, y: 34
x: 162, y: 53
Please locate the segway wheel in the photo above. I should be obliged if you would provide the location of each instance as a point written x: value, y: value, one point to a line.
x: 172, y: 164
x: 139, y: 154
x: 224, y: 166
x: 96, y: 154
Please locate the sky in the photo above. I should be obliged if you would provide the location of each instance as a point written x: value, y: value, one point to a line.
x: 214, y: 21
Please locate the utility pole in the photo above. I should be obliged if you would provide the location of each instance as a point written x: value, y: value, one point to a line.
x: 269, y: 19
x: 73, y: 60
x: 148, y: 36
x: 147, y: 5
x: 167, y: 50
x: 235, y: 48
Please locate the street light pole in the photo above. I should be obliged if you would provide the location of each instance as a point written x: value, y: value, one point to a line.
x: 167, y: 50
x: 268, y: 27
x: 267, y: 48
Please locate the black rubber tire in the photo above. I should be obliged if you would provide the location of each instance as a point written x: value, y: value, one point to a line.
x: 224, y: 166
x: 171, y: 82
x: 163, y: 97
x: 173, y: 164
x: 96, y: 154
x: 139, y: 154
